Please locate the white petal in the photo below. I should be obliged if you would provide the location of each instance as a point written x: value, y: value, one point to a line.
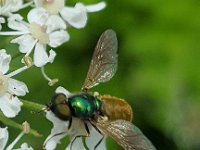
x: 58, y: 37
x: 16, y: 87
x: 9, y: 105
x: 26, y: 43
x: 4, y: 61
x: 38, y: 3
x: 52, y: 55
x: 61, y: 89
x: 77, y: 145
x: 11, y: 6
x: 15, y: 22
x: 76, y: 17
x: 15, y: 5
x: 3, y: 137
x: 24, y: 146
x: 59, y: 126
x: 94, y: 138
x: 2, y: 20
x: 38, y: 15
x: 95, y: 7
x: 54, y: 22
x: 40, y: 55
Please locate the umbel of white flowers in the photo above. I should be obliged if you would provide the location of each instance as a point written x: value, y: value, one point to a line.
x: 47, y: 24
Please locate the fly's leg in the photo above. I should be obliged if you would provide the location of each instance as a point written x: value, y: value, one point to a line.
x: 64, y: 132
x: 78, y: 136
x: 99, y: 142
x: 70, y: 123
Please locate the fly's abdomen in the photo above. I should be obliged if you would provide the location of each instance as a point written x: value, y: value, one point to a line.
x: 82, y: 106
x: 116, y: 108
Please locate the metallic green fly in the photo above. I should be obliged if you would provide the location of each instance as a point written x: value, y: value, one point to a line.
x: 107, y: 114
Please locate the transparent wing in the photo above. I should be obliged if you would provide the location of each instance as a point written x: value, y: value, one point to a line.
x: 126, y: 134
x: 104, y: 61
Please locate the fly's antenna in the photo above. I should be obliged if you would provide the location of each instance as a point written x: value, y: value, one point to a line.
x: 45, y: 109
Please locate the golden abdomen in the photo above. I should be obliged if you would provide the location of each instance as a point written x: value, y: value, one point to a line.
x: 116, y: 108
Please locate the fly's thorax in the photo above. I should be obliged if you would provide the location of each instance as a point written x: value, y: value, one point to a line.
x: 59, y: 106
x: 84, y: 105
x: 116, y: 108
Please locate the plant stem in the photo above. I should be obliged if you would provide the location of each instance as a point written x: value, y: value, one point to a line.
x: 9, y: 122
x: 32, y: 105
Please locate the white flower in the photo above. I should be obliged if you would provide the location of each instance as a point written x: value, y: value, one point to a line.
x: 9, y: 6
x: 77, y: 128
x: 4, y: 139
x: 75, y: 16
x: 10, y: 88
x: 36, y: 34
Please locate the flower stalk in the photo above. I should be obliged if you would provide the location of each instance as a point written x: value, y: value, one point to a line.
x: 32, y: 106
x: 16, y: 125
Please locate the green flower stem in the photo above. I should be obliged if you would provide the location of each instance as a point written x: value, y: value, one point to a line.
x: 9, y: 122
x: 32, y: 106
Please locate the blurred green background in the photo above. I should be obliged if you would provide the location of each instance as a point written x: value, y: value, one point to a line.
x: 158, y: 72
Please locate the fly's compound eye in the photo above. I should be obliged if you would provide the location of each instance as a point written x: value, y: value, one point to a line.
x: 60, y: 107
x: 59, y: 99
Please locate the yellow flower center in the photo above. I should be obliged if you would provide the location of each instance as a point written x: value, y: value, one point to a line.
x: 3, y: 84
x: 53, y: 6
x: 39, y: 32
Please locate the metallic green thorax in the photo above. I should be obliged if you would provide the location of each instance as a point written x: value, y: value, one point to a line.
x: 84, y: 105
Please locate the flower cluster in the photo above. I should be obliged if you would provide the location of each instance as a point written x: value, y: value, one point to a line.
x: 10, y: 88
x: 46, y: 25
x: 37, y: 34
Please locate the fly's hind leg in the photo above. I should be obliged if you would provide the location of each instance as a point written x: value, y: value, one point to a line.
x: 99, y: 142
x: 78, y: 136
